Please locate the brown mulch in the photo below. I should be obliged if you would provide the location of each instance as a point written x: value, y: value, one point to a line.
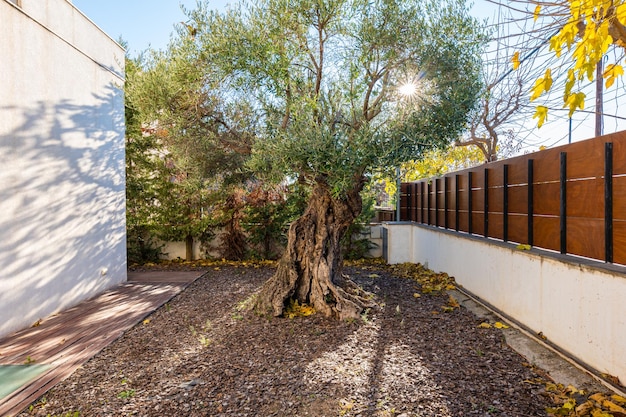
x: 202, y: 354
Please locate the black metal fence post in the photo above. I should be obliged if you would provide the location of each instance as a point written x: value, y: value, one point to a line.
x: 531, y: 206
x: 608, y: 202
x: 505, y: 203
x: 428, y: 203
x: 445, y: 202
x: 422, y: 202
x: 457, y: 194
x: 563, y: 210
x: 436, y: 186
x: 469, y: 202
x: 486, y: 204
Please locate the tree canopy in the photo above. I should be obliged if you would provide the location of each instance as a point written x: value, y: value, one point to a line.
x: 322, y: 79
x: 585, y: 30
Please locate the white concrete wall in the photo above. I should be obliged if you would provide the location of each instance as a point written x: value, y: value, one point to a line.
x: 577, y: 304
x: 62, y: 180
x: 175, y: 250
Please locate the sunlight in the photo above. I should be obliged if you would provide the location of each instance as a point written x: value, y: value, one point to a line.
x: 408, y: 89
x: 377, y: 373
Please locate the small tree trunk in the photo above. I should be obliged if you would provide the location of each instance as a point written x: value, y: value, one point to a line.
x: 189, y: 248
x: 310, y: 269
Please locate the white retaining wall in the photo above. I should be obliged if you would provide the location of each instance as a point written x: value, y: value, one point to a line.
x: 577, y: 304
x: 62, y: 180
x: 175, y: 250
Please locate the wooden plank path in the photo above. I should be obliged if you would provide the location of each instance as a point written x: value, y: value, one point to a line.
x: 70, y: 338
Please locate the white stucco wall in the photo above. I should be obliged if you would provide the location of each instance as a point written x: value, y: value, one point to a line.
x: 62, y: 180
x: 577, y: 304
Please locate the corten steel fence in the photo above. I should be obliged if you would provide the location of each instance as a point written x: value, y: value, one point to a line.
x: 575, y: 203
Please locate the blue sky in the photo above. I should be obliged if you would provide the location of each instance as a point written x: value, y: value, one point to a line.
x: 145, y: 23
x: 150, y: 23
x: 141, y: 23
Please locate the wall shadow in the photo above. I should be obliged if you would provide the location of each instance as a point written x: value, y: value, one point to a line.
x: 62, y: 199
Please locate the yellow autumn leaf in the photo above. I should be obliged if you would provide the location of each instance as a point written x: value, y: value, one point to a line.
x: 416, y: 295
x: 542, y: 114
x: 523, y: 247
x: 515, y: 60
x: 585, y: 408
x: 611, y: 73
x: 542, y: 84
x: 575, y: 101
x: 537, y: 11
x: 569, y: 405
x: 484, y: 325
x: 146, y: 321
x: 611, y: 406
x: 499, y: 325
x: 569, y: 84
x: 452, y: 302
x: 615, y: 380
x: 597, y: 397
x: 571, y: 390
x: 374, y: 276
x: 618, y: 399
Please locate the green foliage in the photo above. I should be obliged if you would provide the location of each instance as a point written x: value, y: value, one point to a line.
x: 126, y: 394
x: 141, y: 247
x: 355, y: 245
x: 267, y: 216
x: 323, y: 78
x: 276, y: 90
x: 184, y: 147
x: 233, y: 239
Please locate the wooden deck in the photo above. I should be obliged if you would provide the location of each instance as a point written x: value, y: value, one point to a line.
x: 70, y: 338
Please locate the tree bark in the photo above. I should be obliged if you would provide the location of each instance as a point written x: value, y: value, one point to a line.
x: 310, y: 269
x: 189, y: 248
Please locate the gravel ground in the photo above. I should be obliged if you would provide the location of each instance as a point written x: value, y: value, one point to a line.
x: 203, y: 354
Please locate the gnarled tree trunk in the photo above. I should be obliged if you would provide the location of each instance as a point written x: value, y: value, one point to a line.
x: 310, y: 269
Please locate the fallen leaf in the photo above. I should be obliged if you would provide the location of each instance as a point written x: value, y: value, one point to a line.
x: 584, y: 408
x: 618, y: 399
x: 611, y: 406
x: 523, y: 247
x: 611, y: 378
x: 374, y: 276
x: 485, y: 325
x: 499, y: 325
x: 146, y: 321
x: 597, y: 397
x: 452, y: 302
x: 416, y: 295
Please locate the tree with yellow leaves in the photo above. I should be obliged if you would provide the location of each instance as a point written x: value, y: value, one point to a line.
x: 591, y: 29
